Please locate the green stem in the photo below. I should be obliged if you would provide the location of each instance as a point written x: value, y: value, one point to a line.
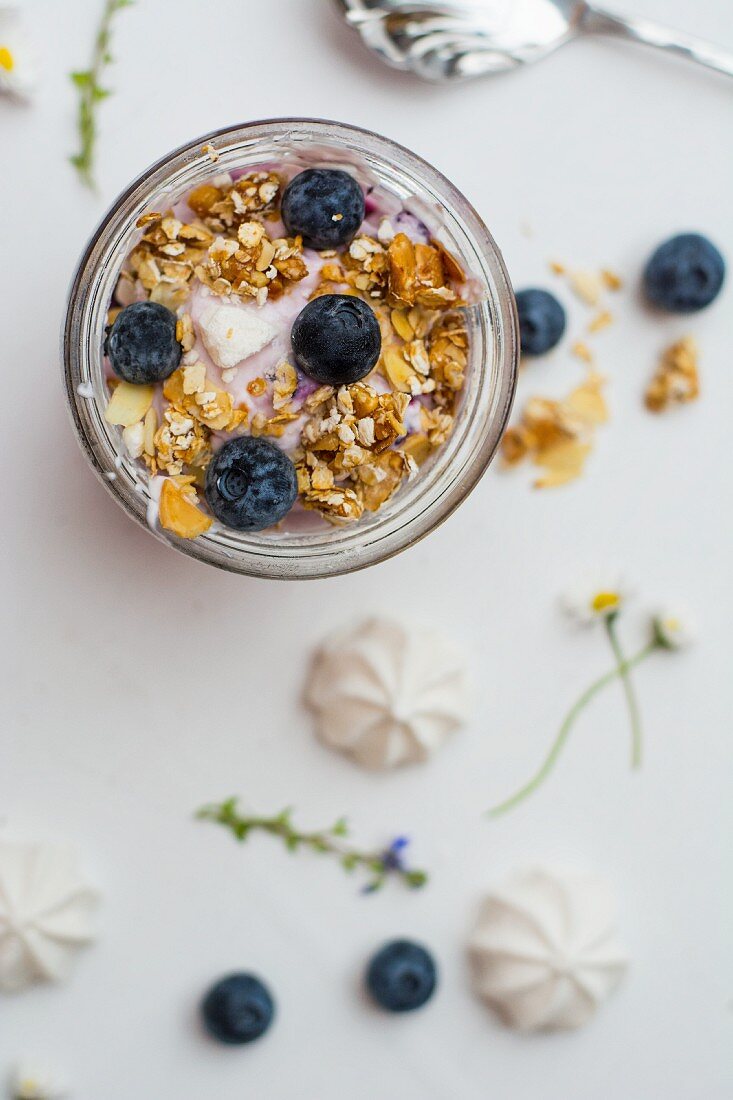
x: 559, y: 743
x: 631, y: 703
x: 91, y: 92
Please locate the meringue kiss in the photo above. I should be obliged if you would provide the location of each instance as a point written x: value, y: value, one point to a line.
x: 545, y: 951
x: 386, y: 694
x: 46, y: 912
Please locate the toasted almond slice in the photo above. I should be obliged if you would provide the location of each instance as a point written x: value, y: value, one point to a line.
x: 611, y: 279
x: 129, y: 404
x: 587, y: 401
x: 562, y: 463
x: 452, y: 267
x: 553, y: 479
x: 399, y: 373
x: 401, y: 324
x: 417, y: 446
x: 150, y: 427
x: 179, y: 515
x: 600, y: 321
x: 587, y: 286
x: 582, y: 351
x: 267, y: 255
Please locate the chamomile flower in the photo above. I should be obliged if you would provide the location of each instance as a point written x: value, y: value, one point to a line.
x: 18, y: 65
x: 590, y: 603
x: 672, y: 630
x: 31, y: 1082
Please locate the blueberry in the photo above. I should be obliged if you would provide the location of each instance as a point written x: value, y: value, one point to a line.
x: 250, y: 484
x: 685, y: 274
x: 401, y: 976
x: 336, y: 339
x: 324, y: 206
x: 238, y: 1009
x: 541, y: 321
x: 141, y: 344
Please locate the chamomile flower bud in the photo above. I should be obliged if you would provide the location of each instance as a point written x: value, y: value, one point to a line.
x: 33, y: 1082
x: 18, y: 64
x: 591, y: 603
x: 672, y: 630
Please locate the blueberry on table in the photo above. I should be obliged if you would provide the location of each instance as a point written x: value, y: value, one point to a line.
x: 250, y: 484
x: 141, y: 344
x: 238, y: 1009
x: 685, y: 274
x: 324, y: 206
x: 402, y: 976
x: 336, y: 339
x: 541, y: 321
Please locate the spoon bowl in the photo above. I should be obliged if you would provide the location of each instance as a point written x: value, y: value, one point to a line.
x: 441, y: 40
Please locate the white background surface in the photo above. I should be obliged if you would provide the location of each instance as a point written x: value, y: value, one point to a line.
x: 141, y: 684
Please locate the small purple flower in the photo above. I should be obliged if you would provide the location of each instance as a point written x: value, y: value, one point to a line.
x: 392, y: 859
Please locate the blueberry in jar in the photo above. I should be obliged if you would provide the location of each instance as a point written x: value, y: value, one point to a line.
x: 141, y: 344
x: 250, y: 484
x: 324, y: 206
x: 336, y: 339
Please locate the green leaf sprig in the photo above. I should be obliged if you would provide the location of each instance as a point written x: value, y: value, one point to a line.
x: 379, y: 865
x: 88, y: 83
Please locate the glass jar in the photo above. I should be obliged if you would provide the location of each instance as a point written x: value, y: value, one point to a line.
x: 456, y: 466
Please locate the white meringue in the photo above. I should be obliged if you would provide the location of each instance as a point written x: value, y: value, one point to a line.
x: 45, y: 914
x: 545, y: 950
x: 386, y: 694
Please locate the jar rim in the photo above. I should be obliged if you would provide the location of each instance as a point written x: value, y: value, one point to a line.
x: 416, y: 511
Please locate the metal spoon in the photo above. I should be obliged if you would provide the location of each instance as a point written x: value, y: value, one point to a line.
x: 440, y: 40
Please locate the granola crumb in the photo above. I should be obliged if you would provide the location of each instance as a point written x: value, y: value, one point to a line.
x: 600, y: 321
x: 256, y: 387
x: 587, y: 286
x: 611, y: 280
x: 676, y: 380
x: 581, y: 350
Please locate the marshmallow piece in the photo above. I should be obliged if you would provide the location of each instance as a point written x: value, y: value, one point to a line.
x: 231, y: 334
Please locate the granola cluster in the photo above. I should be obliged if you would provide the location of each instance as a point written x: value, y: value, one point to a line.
x: 223, y: 207
x: 164, y: 261
x: 676, y: 380
x: 252, y: 265
x: 350, y: 461
x: 558, y: 435
x: 353, y: 448
x: 345, y: 465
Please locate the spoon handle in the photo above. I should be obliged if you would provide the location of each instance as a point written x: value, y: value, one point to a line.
x: 594, y: 20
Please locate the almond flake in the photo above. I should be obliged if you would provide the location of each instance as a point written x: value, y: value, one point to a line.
x: 178, y: 513
x: 601, y: 321
x: 128, y: 404
x: 587, y: 286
